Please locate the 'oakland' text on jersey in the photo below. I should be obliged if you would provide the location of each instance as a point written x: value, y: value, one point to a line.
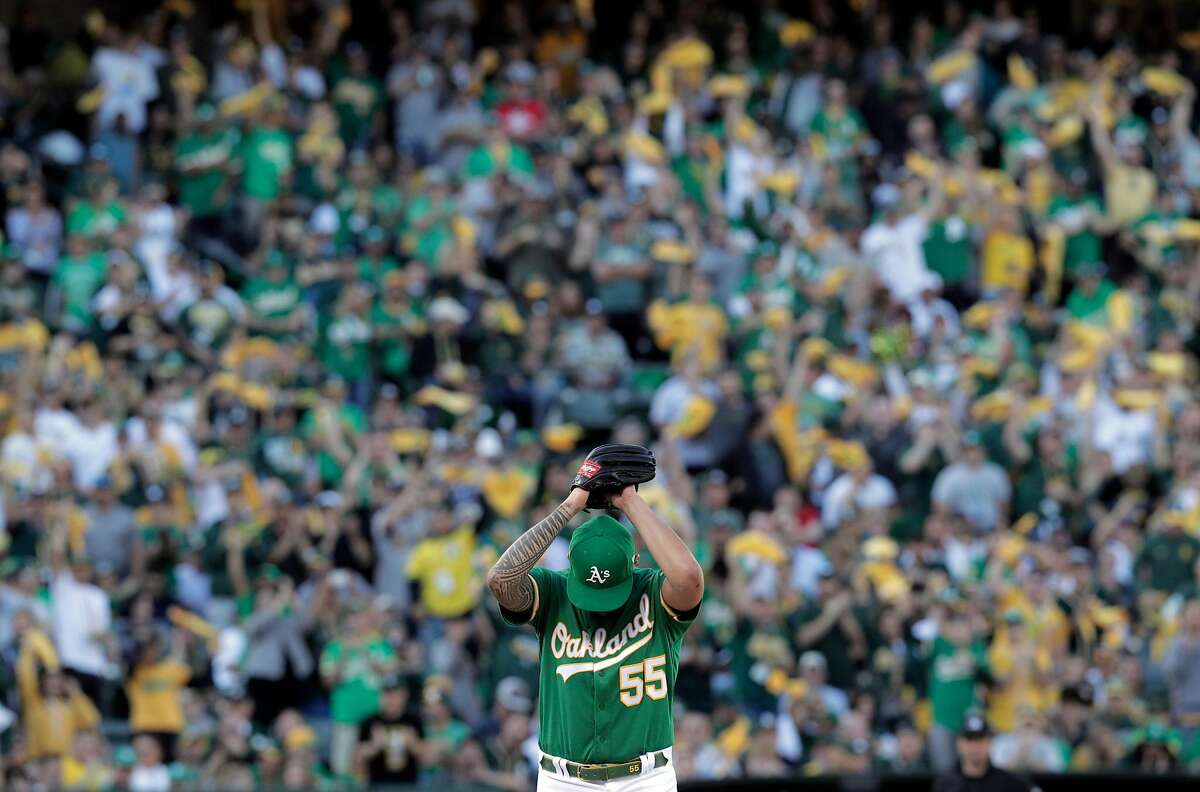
x: 607, y: 679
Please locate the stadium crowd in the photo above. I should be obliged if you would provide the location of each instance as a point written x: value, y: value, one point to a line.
x: 307, y: 308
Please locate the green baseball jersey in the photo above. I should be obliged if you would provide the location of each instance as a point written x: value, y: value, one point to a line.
x: 607, y: 680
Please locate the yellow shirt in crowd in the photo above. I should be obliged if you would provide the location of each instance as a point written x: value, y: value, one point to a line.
x: 1008, y: 261
x: 153, y: 691
x: 50, y: 723
x: 1128, y: 194
x: 443, y: 567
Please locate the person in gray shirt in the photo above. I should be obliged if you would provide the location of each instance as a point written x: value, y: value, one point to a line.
x: 974, y: 488
x: 112, y: 538
x: 1181, y: 664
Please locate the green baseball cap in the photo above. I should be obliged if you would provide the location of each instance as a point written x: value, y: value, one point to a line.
x: 601, y: 572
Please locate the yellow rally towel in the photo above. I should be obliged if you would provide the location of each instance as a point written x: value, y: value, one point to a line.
x: 697, y: 415
x: 672, y: 252
x: 645, y: 147
x: 1186, y: 230
x: 980, y: 315
x: 1065, y: 131
x: 248, y: 100
x: 1019, y: 73
x: 1051, y: 255
x: 1119, y: 308
x: 1168, y: 365
x: 799, y: 450
x: 562, y: 437
x: 779, y: 182
x: 653, y: 103
x: 728, y: 85
x: 847, y: 454
x: 452, y: 402
x: 757, y: 545
x: 815, y: 348
x: 1167, y: 82
x: 949, y: 66
x: 1137, y: 398
x: 734, y: 740
x: 796, y: 31
x: 186, y: 620
x: 920, y: 165
x: 589, y: 113
x: 407, y: 441
x: 507, y: 490
x: 852, y: 370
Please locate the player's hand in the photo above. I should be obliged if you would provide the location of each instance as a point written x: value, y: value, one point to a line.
x: 624, y: 496
x: 578, y: 498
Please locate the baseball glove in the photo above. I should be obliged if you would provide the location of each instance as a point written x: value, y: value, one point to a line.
x: 610, y: 469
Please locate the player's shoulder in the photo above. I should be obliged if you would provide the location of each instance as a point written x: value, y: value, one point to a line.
x: 549, y: 579
x: 645, y: 574
x: 645, y: 579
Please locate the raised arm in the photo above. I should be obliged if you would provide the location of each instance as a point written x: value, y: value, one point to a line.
x: 509, y: 577
x: 685, y: 579
x: 1181, y: 115
x: 1101, y: 142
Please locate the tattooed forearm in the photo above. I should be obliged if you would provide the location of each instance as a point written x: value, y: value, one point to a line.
x: 509, y: 577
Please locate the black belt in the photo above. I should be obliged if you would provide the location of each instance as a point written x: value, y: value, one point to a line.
x: 603, y: 772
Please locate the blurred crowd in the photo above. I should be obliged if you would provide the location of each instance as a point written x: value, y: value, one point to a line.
x: 308, y: 308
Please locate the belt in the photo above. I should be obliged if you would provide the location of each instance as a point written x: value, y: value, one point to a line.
x: 602, y: 772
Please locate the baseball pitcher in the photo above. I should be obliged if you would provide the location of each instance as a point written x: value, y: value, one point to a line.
x: 610, y: 633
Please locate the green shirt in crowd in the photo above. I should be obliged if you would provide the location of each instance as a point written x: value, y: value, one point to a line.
x: 393, y: 324
x: 757, y: 650
x: 359, y: 668
x: 1167, y: 561
x: 270, y: 299
x: 345, y: 348
x: 90, y: 220
x: 953, y: 672
x: 1090, y: 307
x: 427, y: 242
x: 79, y: 278
x: 353, y: 423
x: 948, y: 249
x: 1083, y: 245
x: 356, y: 100
x: 202, y: 160
x: 267, y: 156
x: 484, y: 161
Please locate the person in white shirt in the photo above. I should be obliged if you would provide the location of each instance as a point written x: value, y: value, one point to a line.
x: 893, y: 243
x: 814, y: 670
x: 149, y: 774
x: 127, y: 77
x: 858, y: 490
x: 81, y: 619
x: 929, y: 308
x: 93, y: 448
x: 36, y: 229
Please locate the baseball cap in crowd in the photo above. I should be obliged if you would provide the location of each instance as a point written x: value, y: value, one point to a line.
x: 885, y: 195
x: 812, y: 659
x: 975, y: 727
x: 513, y: 694
x: 600, y: 576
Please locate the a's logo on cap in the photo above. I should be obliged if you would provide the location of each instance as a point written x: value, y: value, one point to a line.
x: 598, y: 577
